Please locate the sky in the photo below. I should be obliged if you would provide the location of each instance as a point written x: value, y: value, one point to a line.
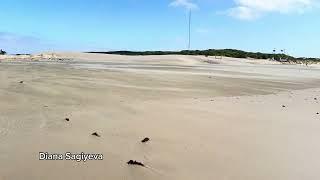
x: 32, y: 26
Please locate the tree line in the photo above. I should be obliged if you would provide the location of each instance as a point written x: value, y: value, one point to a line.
x: 218, y: 52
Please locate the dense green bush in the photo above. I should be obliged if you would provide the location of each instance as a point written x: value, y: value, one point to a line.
x: 2, y: 52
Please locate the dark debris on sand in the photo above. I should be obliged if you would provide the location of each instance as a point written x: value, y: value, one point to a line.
x: 145, y: 140
x: 21, y: 82
x: 67, y: 119
x: 95, y: 134
x: 135, y: 163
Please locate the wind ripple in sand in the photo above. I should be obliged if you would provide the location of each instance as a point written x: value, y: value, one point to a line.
x: 245, y: 137
x: 284, y: 72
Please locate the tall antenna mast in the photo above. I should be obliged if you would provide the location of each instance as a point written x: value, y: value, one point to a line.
x: 189, y: 43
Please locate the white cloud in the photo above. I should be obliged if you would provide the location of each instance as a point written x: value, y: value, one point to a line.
x: 253, y: 9
x: 242, y: 12
x: 187, y: 4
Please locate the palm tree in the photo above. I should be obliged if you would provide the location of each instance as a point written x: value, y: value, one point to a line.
x: 274, y: 53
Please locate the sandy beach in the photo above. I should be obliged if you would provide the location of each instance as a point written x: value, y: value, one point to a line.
x: 207, y: 118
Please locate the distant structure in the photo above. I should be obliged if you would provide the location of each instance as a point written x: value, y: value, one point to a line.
x: 218, y: 57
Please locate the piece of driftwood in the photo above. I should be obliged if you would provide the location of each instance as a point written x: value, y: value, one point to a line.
x: 145, y: 140
x: 135, y: 163
x: 95, y: 134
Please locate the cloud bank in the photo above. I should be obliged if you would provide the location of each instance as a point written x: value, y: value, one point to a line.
x: 253, y: 9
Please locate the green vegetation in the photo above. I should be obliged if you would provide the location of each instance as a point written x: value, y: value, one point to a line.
x: 219, y: 52
x: 2, y: 52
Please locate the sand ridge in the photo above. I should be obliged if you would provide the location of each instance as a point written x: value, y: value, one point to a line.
x: 206, y: 121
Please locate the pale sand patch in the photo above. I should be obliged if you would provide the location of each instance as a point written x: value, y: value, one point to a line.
x: 205, y: 121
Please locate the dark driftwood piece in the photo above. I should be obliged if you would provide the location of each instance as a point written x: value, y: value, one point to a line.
x: 145, y: 140
x: 95, y: 134
x: 136, y: 163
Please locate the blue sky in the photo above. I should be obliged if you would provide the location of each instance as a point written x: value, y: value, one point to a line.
x: 29, y: 26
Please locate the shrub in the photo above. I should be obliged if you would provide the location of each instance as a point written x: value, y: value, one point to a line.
x: 2, y: 52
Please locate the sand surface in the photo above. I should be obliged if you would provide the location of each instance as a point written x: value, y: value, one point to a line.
x: 230, y: 119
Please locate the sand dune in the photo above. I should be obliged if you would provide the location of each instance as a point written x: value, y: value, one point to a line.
x: 233, y: 119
